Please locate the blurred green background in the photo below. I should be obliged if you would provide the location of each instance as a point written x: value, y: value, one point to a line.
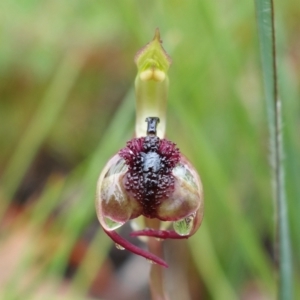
x: 67, y: 105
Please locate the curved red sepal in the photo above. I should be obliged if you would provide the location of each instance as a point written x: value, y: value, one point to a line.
x: 161, y: 234
x: 134, y: 249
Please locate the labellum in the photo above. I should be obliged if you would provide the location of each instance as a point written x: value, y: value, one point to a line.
x: 150, y: 177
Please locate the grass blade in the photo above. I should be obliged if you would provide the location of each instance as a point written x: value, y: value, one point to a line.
x: 265, y: 18
x: 46, y: 115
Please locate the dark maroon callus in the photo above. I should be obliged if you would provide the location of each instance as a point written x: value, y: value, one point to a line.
x: 149, y: 178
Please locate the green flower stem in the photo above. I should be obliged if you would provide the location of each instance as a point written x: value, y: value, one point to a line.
x: 151, y: 85
x: 156, y: 279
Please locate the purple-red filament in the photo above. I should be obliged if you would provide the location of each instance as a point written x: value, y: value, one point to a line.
x: 160, y: 234
x: 134, y: 249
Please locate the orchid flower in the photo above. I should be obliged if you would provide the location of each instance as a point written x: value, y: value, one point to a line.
x: 150, y: 177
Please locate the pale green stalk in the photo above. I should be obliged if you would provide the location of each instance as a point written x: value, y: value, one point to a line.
x: 156, y: 280
x: 151, y: 101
